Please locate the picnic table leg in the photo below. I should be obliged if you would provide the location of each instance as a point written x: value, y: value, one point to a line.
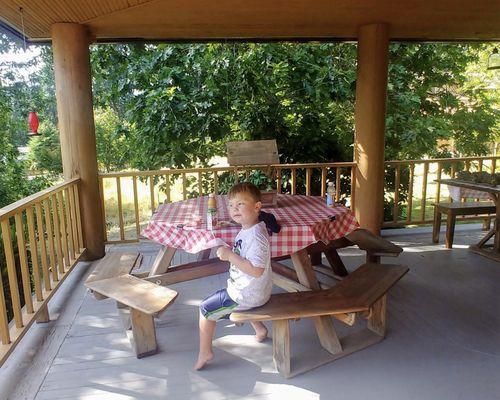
x: 450, y: 230
x: 496, y: 224
x: 324, y: 325
x: 436, y: 227
x: 316, y: 258
x: 204, y: 255
x: 336, y: 262
x: 162, y: 260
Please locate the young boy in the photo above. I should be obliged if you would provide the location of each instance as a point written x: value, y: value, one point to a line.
x: 250, y: 279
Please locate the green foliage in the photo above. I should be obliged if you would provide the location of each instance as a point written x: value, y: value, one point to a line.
x: 114, y: 139
x: 262, y: 180
x: 187, y: 100
x: 14, y: 183
x: 440, y: 92
x: 45, y: 150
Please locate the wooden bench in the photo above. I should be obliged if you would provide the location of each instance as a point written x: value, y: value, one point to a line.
x: 452, y: 210
x: 375, y: 247
x: 139, y: 300
x: 111, y: 265
x: 362, y: 292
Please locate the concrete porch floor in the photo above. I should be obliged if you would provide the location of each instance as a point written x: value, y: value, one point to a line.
x: 443, y: 341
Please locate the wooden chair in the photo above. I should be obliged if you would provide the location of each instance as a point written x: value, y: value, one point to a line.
x: 362, y: 292
x: 138, y: 300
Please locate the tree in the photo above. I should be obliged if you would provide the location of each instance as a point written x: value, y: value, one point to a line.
x: 115, y: 140
x: 45, y: 150
x: 187, y: 100
x: 432, y: 96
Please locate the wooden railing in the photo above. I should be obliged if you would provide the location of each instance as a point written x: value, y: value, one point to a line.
x: 411, y: 190
x: 127, y: 209
x: 42, y: 241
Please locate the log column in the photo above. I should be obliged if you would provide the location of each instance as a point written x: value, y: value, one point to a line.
x: 70, y: 45
x: 371, y: 92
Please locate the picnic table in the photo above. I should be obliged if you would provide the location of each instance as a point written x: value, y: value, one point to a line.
x: 304, y: 220
x: 308, y: 226
x: 482, y: 190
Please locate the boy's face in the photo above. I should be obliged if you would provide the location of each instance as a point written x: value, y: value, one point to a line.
x: 244, y: 209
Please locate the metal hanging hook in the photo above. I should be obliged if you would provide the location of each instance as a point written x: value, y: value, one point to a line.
x: 22, y: 25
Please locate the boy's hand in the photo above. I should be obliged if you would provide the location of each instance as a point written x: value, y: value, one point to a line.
x: 223, y: 253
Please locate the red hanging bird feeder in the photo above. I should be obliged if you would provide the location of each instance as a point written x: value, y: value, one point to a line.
x: 33, y: 124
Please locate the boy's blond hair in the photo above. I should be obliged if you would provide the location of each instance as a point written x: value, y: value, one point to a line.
x: 245, y: 187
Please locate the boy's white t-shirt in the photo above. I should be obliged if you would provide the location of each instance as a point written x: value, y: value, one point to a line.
x: 252, y: 244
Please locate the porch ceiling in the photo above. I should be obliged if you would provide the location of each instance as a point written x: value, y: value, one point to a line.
x: 112, y: 20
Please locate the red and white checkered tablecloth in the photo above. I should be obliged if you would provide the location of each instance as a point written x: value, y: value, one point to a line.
x: 304, y: 220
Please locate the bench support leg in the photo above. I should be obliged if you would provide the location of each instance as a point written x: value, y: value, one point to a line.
x: 450, y: 230
x: 124, y: 312
x: 436, y: 227
x: 281, y: 347
x: 378, y: 318
x: 144, y: 334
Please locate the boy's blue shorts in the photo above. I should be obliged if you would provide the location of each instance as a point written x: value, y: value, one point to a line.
x: 218, y: 306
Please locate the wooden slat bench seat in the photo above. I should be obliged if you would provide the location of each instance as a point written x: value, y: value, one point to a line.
x: 363, y: 291
x: 452, y: 210
x: 113, y: 264
x: 375, y: 247
x: 145, y: 300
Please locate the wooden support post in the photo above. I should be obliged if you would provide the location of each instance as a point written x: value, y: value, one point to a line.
x: 70, y: 44
x: 43, y: 315
x: 143, y: 329
x: 378, y: 319
x: 371, y: 90
x: 281, y: 346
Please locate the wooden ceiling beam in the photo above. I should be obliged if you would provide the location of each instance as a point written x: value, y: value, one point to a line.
x: 425, y: 20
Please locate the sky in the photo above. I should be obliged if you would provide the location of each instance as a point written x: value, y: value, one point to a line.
x: 19, y: 57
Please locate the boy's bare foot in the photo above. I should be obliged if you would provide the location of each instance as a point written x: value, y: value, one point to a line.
x: 261, y: 334
x: 203, y: 359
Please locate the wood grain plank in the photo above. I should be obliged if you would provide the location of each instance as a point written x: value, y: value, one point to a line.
x: 136, y: 293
